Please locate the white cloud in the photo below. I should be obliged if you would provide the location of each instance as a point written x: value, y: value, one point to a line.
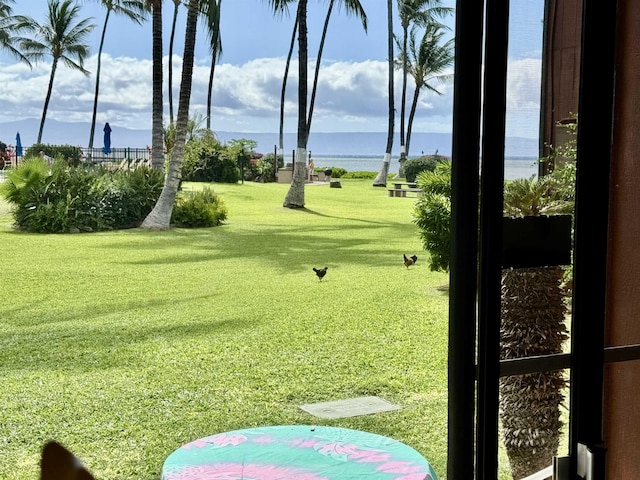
x: 352, y: 96
x: 523, y: 88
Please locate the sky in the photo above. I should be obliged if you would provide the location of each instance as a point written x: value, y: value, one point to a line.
x: 352, y: 91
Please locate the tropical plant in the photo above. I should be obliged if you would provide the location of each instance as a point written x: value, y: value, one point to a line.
x: 239, y: 150
x: 62, y: 36
x: 414, y: 166
x: 135, y: 11
x: 422, y: 13
x: 548, y: 195
x: 70, y: 153
x: 351, y: 6
x: 295, y: 195
x: 532, y: 323
x: 211, y: 13
x: 176, y: 6
x: 207, y: 160
x: 283, y: 90
x: 199, y: 209
x: 533, y: 309
x: 8, y: 27
x: 427, y: 63
x: 381, y: 178
x: 59, y: 198
x: 129, y: 195
x: 432, y: 214
x: 265, y: 169
x: 160, y: 216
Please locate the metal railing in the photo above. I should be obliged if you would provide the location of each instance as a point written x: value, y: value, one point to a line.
x: 116, y: 156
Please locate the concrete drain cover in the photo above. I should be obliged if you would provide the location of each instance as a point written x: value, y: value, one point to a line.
x: 351, y: 407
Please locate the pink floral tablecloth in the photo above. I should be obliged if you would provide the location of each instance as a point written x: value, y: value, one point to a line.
x: 297, y: 452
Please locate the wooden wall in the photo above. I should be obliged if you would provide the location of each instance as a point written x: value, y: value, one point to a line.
x: 622, y: 380
x: 561, y: 69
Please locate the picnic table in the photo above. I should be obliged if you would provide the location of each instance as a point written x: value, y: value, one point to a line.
x: 400, y: 189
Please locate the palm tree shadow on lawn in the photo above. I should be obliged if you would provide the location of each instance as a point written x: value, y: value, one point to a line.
x: 314, y: 212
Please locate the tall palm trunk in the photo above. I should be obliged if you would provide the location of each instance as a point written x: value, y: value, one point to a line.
x: 318, y: 61
x: 170, y: 66
x: 284, y: 84
x: 412, y: 114
x: 295, y: 195
x: 212, y: 70
x: 160, y: 216
x: 403, y: 101
x: 381, y: 178
x: 54, y: 67
x: 533, y: 324
x: 157, y: 137
x: 97, y: 90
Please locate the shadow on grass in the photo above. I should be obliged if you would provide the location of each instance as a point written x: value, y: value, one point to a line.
x: 351, y: 219
x: 289, y: 249
x: 69, y: 348
x: 23, y: 317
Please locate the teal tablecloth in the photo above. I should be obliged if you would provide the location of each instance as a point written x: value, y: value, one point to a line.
x: 299, y: 452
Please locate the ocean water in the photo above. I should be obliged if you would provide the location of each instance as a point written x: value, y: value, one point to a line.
x: 514, y: 168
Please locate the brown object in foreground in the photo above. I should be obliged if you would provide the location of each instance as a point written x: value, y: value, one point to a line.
x: 58, y: 463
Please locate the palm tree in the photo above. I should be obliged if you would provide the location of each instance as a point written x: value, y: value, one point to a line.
x: 427, y: 62
x: 533, y: 311
x: 61, y: 37
x: 381, y: 178
x: 211, y: 12
x: 176, y: 5
x: 8, y: 26
x: 295, y: 195
x: 352, y: 6
x: 160, y: 216
x: 420, y: 12
x: 157, y: 130
x: 135, y: 11
x: 284, y: 83
x: 280, y: 7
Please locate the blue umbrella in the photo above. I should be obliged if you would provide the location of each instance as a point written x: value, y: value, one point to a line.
x: 107, y: 139
x: 18, y: 145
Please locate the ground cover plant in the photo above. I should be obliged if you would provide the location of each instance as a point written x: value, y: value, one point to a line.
x: 124, y: 345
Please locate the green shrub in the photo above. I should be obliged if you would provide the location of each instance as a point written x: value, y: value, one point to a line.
x: 128, y: 196
x: 414, y: 166
x: 336, y: 172
x: 265, y: 169
x: 365, y: 175
x: 205, y: 160
x: 72, y: 155
x: 53, y: 199
x: 199, y: 209
x: 432, y: 214
x: 60, y: 198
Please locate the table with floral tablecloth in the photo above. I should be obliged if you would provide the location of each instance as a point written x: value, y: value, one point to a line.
x: 296, y: 452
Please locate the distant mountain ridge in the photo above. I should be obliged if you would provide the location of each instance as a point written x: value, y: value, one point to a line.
x: 321, y: 143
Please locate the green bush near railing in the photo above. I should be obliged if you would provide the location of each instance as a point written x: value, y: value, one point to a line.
x: 72, y: 155
x: 59, y: 198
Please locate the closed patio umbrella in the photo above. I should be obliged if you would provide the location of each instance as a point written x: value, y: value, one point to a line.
x: 18, y: 145
x: 107, y: 139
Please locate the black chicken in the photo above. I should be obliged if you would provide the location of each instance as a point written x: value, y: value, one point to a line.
x: 320, y: 272
x: 408, y: 261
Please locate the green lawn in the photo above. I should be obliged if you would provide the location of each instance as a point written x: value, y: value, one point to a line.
x: 125, y: 345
